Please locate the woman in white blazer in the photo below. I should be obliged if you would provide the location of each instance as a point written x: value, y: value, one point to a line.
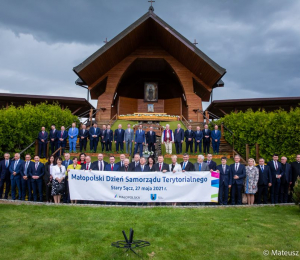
x: 174, y: 166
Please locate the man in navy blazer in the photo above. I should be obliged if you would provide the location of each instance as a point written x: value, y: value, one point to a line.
x: 238, y: 173
x: 225, y: 181
x: 211, y: 164
x: 15, y: 169
x: 215, y: 139
x: 206, y: 139
x: 139, y: 140
x: 42, y: 139
x: 198, y: 136
x: 142, y: 167
x: 119, y: 138
x: 66, y: 163
x: 264, y: 181
x: 276, y: 172
x: 112, y: 166
x: 5, y: 175
x: 108, y: 138
x: 25, y: 177
x: 178, y: 138
x: 53, y: 139
x: 83, y: 136
x: 151, y: 140
x: 37, y: 170
x: 62, y: 136
x: 102, y: 135
x: 100, y: 164
x: 189, y: 136
x: 94, y: 134
x: 286, y: 180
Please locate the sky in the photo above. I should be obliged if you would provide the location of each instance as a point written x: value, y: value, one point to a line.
x: 257, y: 41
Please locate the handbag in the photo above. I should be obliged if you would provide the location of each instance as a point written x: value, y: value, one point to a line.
x: 61, y: 187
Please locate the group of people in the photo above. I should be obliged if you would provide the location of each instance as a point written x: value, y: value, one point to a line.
x: 29, y: 176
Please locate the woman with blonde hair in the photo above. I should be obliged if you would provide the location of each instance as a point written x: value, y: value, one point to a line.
x: 251, y: 181
x: 73, y: 166
x: 174, y: 166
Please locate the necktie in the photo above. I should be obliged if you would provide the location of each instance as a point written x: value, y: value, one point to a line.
x: 95, y: 130
x: 100, y: 166
x: 136, y: 164
x: 236, y: 167
x: 112, y: 167
x: 142, y: 168
x: 276, y: 166
x: 197, y: 132
x: 42, y: 133
x: 6, y: 163
x: 200, y: 166
x: 15, y: 166
x: 126, y: 169
x: 83, y: 131
x: 160, y: 167
x: 206, y: 131
x: 36, y: 166
x: 224, y: 168
x: 208, y: 162
x: 121, y: 164
x: 87, y: 166
x: 140, y: 131
x: 53, y: 131
x: 150, y: 132
x: 262, y: 168
x: 67, y: 164
x: 119, y: 131
x: 216, y: 131
x: 26, y: 166
x: 183, y: 166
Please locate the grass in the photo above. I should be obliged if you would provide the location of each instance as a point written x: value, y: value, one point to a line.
x: 62, y: 232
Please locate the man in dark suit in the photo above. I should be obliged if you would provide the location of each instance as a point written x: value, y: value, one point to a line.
x: 66, y: 163
x: 83, y: 136
x: 88, y: 165
x: 109, y: 136
x: 215, y: 139
x: 36, y: 172
x: 286, y: 180
x: 142, y: 167
x: 151, y: 140
x: 15, y: 169
x: 238, y: 173
x: 295, y: 171
x: 139, y: 140
x: 206, y: 139
x: 276, y: 172
x: 178, y: 138
x: 135, y: 163
x: 94, y: 134
x: 119, y: 138
x: 102, y: 135
x: 112, y: 166
x: 62, y: 136
x: 100, y: 164
x: 264, y: 181
x: 53, y: 139
x: 5, y: 175
x: 225, y: 181
x: 121, y: 162
x: 125, y: 167
x: 187, y: 166
x: 25, y: 177
x: 211, y: 164
x: 198, y: 136
x: 189, y: 136
x: 42, y: 139
x: 160, y: 166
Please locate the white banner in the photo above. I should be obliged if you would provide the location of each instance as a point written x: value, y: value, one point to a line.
x: 144, y: 186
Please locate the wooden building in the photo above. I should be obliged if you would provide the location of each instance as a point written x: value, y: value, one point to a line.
x: 149, y: 55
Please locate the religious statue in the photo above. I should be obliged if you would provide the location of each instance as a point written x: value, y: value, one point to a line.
x: 151, y: 93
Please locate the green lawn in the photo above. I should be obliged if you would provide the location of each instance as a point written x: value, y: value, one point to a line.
x: 62, y: 232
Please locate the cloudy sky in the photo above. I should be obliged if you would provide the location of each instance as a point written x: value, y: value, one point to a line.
x: 257, y: 41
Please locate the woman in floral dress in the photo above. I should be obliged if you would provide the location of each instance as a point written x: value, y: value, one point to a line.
x: 251, y: 180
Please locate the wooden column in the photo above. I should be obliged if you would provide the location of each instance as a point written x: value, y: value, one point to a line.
x: 207, y: 117
x: 91, y: 116
x: 247, y: 152
x: 257, y: 152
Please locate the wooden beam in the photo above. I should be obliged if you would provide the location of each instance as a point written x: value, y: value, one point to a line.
x: 202, y: 82
x: 73, y: 113
x: 98, y: 81
x: 222, y: 111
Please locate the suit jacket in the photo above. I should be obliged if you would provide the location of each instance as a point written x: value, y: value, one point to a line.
x: 215, y: 135
x: 53, y: 135
x: 177, y: 167
x: 95, y: 165
x: 128, y: 136
x: 46, y: 176
x: 265, y: 177
x: 4, y: 171
x: 178, y: 136
x: 204, y: 167
x: 132, y: 166
x: 109, y: 136
x: 73, y: 133
x: 295, y: 171
x: 275, y: 172
x: 139, y: 168
x: 64, y: 136
x: 83, y: 167
x: 206, y: 140
x: 241, y: 173
x: 151, y: 139
x: 115, y: 169
x: 188, y: 134
x: 102, y: 134
x: 139, y: 137
x: 64, y: 163
x: 40, y: 171
x: 119, y: 163
x: 226, y: 176
x: 18, y: 169
x: 165, y: 166
x: 42, y: 136
x: 85, y: 134
x: 122, y: 169
x: 212, y: 165
x: 23, y: 173
x: 198, y: 136
x: 287, y: 176
x: 189, y: 167
x: 119, y: 137
x: 96, y: 132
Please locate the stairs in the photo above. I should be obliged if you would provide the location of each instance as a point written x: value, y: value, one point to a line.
x: 225, y: 148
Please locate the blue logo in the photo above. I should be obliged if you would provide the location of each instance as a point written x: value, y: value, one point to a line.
x: 116, y: 196
x: 153, y: 196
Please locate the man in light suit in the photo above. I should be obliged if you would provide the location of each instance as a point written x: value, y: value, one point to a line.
x: 66, y: 163
x: 186, y: 165
x: 215, y: 138
x: 198, y: 136
x: 200, y: 165
x: 189, y: 136
x: 62, y: 136
x: 15, y: 176
x: 276, y: 172
x: 139, y: 140
x: 36, y: 173
x: 128, y: 138
x: 178, y: 138
x: 206, y: 139
x: 238, y: 173
x: 83, y: 136
x: 112, y: 166
x: 43, y: 139
x: 142, y: 167
x: 225, y: 181
x: 109, y: 136
x: 94, y: 134
x: 286, y: 180
x: 151, y: 140
x: 53, y: 139
x: 73, y: 133
x: 119, y: 138
x: 25, y: 177
x: 264, y: 181
x: 5, y: 175
x: 100, y: 164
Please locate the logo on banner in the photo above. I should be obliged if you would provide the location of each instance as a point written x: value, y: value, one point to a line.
x: 116, y: 196
x: 153, y: 196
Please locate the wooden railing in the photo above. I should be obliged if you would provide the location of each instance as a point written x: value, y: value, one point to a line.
x: 113, y: 119
x: 184, y: 121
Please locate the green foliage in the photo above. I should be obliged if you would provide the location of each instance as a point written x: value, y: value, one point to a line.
x: 19, y: 126
x: 275, y: 132
x: 296, y: 194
